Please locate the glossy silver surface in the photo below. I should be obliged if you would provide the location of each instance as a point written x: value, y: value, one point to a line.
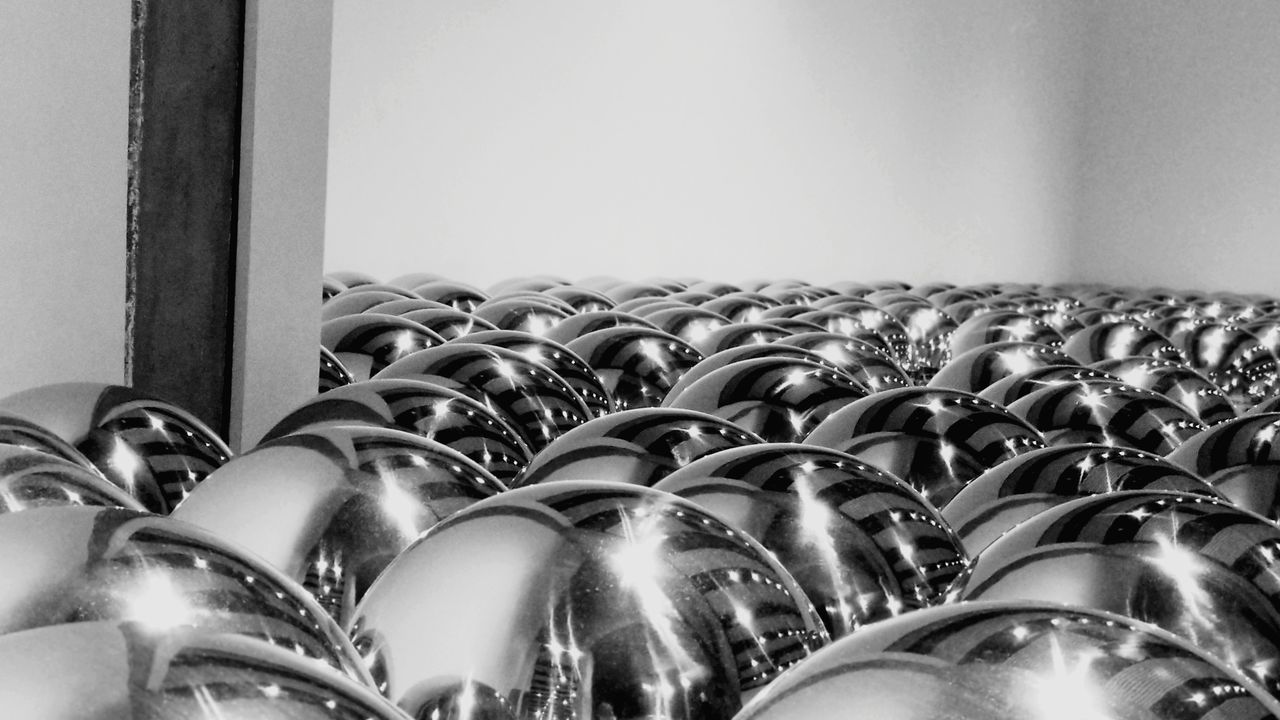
x: 578, y: 325
x: 558, y: 359
x: 426, y: 409
x: 1012, y: 661
x: 1195, y: 566
x: 996, y: 325
x: 1241, y: 459
x: 584, y: 600
x: 332, y: 372
x: 539, y: 404
x: 534, y: 315
x: 929, y: 329
x: 32, y: 479
x: 937, y: 440
x: 1014, y: 387
x: 154, y: 450
x: 1176, y: 381
x: 729, y: 356
x: 460, y: 296
x: 689, y: 323
x: 20, y: 432
x: 368, y: 342
x: 638, y: 365
x: 127, y: 671
x: 975, y: 370
x: 862, y: 544
x: 739, y: 334
x: 638, y: 447
x: 870, y: 366
x: 81, y: 564
x: 1022, y: 487
x: 1119, y: 339
x: 781, y: 399
x: 1234, y: 359
x: 1108, y: 412
x: 581, y: 299
x: 449, y: 323
x: 332, y: 506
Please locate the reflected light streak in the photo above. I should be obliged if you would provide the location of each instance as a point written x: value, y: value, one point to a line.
x: 157, y: 604
x: 1067, y: 691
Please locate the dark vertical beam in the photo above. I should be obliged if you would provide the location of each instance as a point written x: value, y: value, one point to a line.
x: 184, y: 150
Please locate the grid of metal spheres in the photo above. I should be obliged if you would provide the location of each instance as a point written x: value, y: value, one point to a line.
x: 673, y: 499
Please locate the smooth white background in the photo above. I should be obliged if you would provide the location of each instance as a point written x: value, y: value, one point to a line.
x: 1131, y: 141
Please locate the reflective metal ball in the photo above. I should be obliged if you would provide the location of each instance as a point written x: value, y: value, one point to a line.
x: 575, y: 599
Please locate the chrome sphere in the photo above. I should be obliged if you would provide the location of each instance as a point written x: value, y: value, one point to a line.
x: 937, y: 440
x: 1012, y: 661
x: 870, y: 366
x: 1176, y: 381
x: 1234, y: 359
x: 81, y: 564
x: 539, y: 404
x: 32, y: 479
x: 432, y: 411
x: 331, y: 507
x: 1241, y: 459
x: 558, y: 359
x: 862, y: 544
x: 578, y: 325
x: 638, y: 447
x: 368, y: 342
x: 332, y: 372
x: 1014, y: 387
x: 1119, y: 339
x: 741, y: 334
x: 108, y: 670
x: 584, y: 600
x: 534, y: 315
x: 1029, y: 484
x: 1193, y: 565
x: 639, y: 366
x: 1002, y: 326
x: 1108, y: 412
x: 781, y: 399
x: 975, y: 370
x: 447, y: 322
x: 156, y: 451
x: 19, y: 432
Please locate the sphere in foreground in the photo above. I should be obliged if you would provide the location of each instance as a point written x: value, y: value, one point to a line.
x: 153, y: 449
x: 580, y: 600
x: 80, y: 564
x: 1011, y: 661
x: 862, y: 544
x: 1193, y: 565
x: 331, y: 507
x: 32, y: 479
x: 126, y: 671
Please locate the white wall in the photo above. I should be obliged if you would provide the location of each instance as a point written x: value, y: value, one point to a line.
x: 64, y: 80
x: 727, y: 139
x: 1180, y: 160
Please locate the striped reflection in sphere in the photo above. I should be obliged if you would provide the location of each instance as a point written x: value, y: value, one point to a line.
x: 576, y: 599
